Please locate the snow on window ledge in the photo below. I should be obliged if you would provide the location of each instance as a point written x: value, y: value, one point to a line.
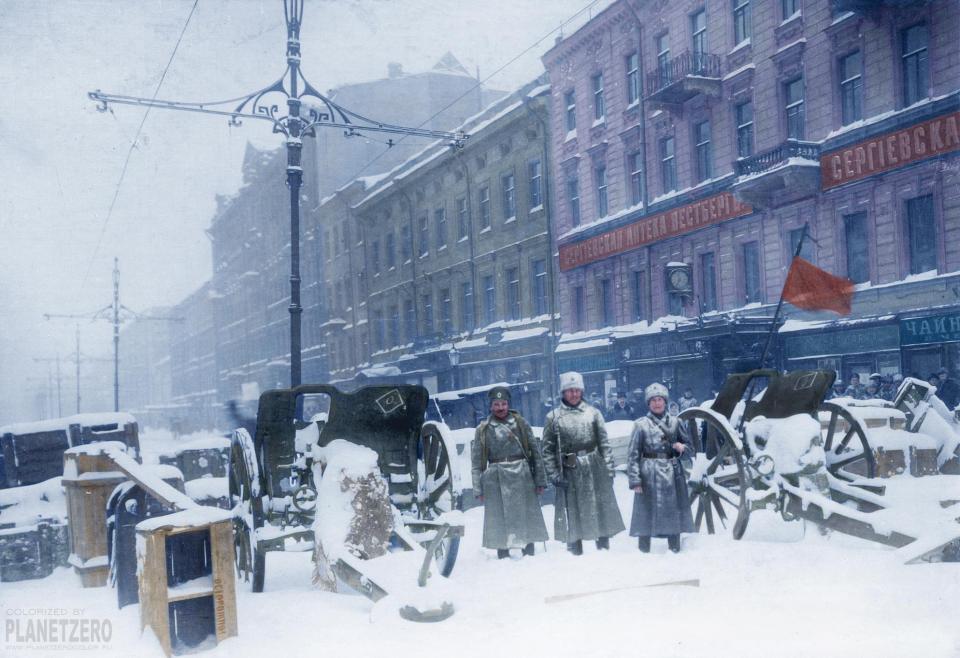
x: 536, y: 208
x: 746, y: 43
x: 485, y: 230
x: 508, y: 220
x: 570, y: 135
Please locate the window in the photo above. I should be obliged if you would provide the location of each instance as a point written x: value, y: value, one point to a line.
x: 635, y: 167
x: 701, y: 135
x: 857, y: 247
x: 607, y: 315
x: 426, y: 302
x: 489, y: 299
x: 405, y: 243
x: 744, y: 118
x: 509, y: 196
x: 391, y: 251
x: 793, y: 95
x: 410, y: 320
x: 394, y: 325
x: 466, y: 306
x: 668, y: 165
x: 484, y: 203
x: 336, y: 240
x: 598, y: 108
x: 913, y: 54
x: 463, y: 225
x: 663, y: 59
x: 424, y: 236
x: 806, y: 251
x: 539, y: 271
x: 741, y: 20
x: 327, y: 248
x: 513, y: 293
x: 751, y: 272
x: 375, y: 256
x: 535, y: 177
x: 446, y: 312
x: 570, y: 100
x: 921, y: 234
x: 638, y: 294
x: 600, y: 177
x: 345, y: 235
x: 633, y: 78
x: 708, y: 282
x: 698, y: 28
x: 851, y: 88
x: 573, y: 198
x: 378, y: 338
x: 440, y: 221
x: 579, y: 310
x: 789, y: 8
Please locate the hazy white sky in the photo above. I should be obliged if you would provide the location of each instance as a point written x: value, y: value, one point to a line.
x: 61, y: 159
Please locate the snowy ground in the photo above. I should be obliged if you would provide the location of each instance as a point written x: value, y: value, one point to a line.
x: 803, y: 595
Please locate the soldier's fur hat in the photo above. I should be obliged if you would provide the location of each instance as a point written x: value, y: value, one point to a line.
x: 571, y: 380
x: 498, y: 393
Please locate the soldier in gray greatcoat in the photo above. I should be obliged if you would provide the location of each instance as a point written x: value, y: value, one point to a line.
x: 579, y: 462
x: 508, y: 476
x: 661, y: 504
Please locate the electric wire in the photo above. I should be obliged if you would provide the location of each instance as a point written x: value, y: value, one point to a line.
x: 476, y: 86
x: 133, y: 144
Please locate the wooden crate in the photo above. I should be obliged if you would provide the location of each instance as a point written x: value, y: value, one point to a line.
x: 187, y: 579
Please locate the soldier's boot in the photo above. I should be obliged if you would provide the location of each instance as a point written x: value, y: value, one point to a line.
x: 503, y: 553
x: 643, y: 543
x: 603, y: 544
x: 575, y: 547
x: 528, y: 549
x: 673, y: 542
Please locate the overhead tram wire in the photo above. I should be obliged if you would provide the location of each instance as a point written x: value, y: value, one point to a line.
x: 479, y: 84
x: 133, y: 145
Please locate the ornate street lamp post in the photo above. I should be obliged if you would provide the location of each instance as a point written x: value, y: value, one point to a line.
x: 454, y: 355
x: 321, y: 112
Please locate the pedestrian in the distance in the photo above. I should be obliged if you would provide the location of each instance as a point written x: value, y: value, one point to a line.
x: 948, y: 390
x: 687, y: 400
x: 621, y: 410
x: 579, y: 462
x: 661, y: 503
x: 508, y: 475
x: 855, y: 390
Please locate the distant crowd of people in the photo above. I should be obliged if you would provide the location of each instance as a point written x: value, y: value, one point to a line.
x: 622, y: 408
x: 884, y: 387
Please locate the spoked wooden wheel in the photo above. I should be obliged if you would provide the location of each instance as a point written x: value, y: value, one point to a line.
x: 244, y: 487
x: 845, y: 443
x: 435, y: 490
x: 718, y: 480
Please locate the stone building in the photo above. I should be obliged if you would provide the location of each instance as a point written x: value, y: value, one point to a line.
x: 694, y: 140
x: 440, y: 271
x: 145, y: 367
x: 193, y: 350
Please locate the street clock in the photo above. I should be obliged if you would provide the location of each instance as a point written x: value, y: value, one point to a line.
x: 679, y: 279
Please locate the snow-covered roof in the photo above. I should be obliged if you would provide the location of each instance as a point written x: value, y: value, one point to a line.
x: 87, y: 420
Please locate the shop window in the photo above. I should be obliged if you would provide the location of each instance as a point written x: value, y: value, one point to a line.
x: 921, y: 234
x: 751, y: 272
x: 858, y: 249
x: 639, y: 291
x: 579, y: 309
x: 607, y: 311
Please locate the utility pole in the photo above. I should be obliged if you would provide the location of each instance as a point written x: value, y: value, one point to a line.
x: 116, y: 313
x: 292, y: 90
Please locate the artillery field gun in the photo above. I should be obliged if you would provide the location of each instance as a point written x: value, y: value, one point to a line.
x: 786, y: 450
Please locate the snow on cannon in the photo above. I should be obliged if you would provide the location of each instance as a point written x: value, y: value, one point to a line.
x: 769, y: 451
x: 357, y: 478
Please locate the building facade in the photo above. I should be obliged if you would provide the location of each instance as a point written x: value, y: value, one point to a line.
x: 443, y: 271
x: 193, y: 401
x: 693, y: 142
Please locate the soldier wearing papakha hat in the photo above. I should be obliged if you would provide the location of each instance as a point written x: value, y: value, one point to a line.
x: 579, y: 462
x: 508, y: 475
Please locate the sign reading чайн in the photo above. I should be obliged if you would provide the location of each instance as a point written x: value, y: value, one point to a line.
x: 660, y: 226
x: 890, y: 150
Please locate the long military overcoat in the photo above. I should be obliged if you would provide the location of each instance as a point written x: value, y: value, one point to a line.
x: 511, y: 510
x: 664, y: 506
x: 587, y: 508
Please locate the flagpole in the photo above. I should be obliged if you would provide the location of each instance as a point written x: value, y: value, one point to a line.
x: 776, y: 314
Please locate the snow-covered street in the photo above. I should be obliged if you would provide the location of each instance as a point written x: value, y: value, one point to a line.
x: 780, y: 591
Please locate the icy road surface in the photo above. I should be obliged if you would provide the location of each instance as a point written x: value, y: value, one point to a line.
x: 803, y: 595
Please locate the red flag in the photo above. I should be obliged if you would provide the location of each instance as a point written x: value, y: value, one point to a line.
x: 808, y: 287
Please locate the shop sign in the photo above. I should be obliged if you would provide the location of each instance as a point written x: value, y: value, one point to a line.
x: 934, y: 329
x: 587, y: 362
x: 844, y: 341
x: 659, y: 226
x: 661, y: 348
x: 891, y: 150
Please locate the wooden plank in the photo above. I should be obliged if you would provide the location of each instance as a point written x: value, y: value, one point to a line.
x: 150, y: 483
x: 154, y: 609
x: 224, y: 579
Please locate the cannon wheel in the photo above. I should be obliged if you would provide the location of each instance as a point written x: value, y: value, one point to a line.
x: 718, y: 476
x: 247, y: 506
x: 435, y: 491
x: 848, y: 453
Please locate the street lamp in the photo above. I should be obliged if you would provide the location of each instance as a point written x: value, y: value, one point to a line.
x: 293, y: 90
x: 454, y: 356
